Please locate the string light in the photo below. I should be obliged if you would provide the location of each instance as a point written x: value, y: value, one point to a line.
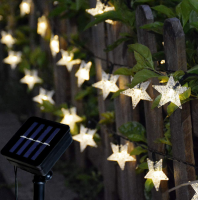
x: 100, y: 9
x: 31, y: 78
x: 137, y: 93
x: 13, y: 58
x: 42, y: 25
x: 67, y: 60
x: 170, y: 92
x: 54, y: 45
x: 107, y: 84
x: 25, y: 7
x: 44, y: 95
x: 70, y: 118
x: 162, y: 62
x: 195, y: 187
x: 85, y: 137
x: 155, y: 173
x: 7, y: 39
x: 120, y: 155
x: 83, y: 72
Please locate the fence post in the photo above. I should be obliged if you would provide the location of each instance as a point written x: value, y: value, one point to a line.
x: 180, y: 120
x: 153, y: 117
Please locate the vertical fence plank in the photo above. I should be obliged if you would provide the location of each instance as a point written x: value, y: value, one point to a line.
x: 180, y: 120
x: 153, y: 117
x: 129, y: 183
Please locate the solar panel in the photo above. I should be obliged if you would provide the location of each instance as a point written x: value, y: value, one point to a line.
x: 37, y: 145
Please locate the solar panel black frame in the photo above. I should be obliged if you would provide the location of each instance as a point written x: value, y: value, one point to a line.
x: 42, y: 164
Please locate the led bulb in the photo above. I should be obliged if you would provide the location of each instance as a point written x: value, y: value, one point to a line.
x: 195, y: 187
x: 13, y: 59
x: 162, y: 62
x: 42, y: 25
x: 44, y: 95
x: 25, y: 7
x: 54, y: 45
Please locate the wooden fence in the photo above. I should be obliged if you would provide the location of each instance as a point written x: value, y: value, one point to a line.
x: 127, y: 185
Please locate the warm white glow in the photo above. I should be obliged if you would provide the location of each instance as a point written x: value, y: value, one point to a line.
x: 155, y: 173
x: 195, y: 187
x: 169, y: 93
x: 83, y: 72
x: 70, y: 118
x: 13, y: 59
x: 42, y: 25
x: 162, y: 62
x: 120, y: 154
x: 44, y: 95
x: 25, y: 7
x: 54, y: 45
x: 137, y: 93
x: 99, y: 9
x: 7, y: 39
x: 31, y: 78
x: 67, y: 60
x: 107, y: 84
x: 85, y: 138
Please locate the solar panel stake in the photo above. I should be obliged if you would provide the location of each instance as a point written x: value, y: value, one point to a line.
x: 39, y: 185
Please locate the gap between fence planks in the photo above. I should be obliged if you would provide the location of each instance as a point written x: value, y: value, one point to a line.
x: 180, y: 120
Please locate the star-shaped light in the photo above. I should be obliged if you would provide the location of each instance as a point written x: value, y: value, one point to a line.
x: 25, y: 7
x: 42, y: 25
x: 44, y: 95
x: 155, y: 173
x: 83, y: 72
x: 170, y: 92
x: 54, y: 45
x: 107, y: 84
x: 7, y: 39
x: 137, y: 93
x: 67, y: 60
x: 85, y: 138
x: 70, y: 117
x: 195, y: 187
x: 99, y: 9
x: 13, y: 58
x: 31, y: 78
x: 120, y: 155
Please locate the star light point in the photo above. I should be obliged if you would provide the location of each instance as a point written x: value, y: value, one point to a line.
x: 25, y: 7
x: 107, y: 84
x: 31, y: 78
x: 42, y: 25
x: 7, y: 39
x: 170, y: 92
x: 14, y: 58
x: 120, y: 155
x: 195, y: 187
x: 54, y: 45
x: 155, y: 173
x: 85, y: 137
x: 83, y: 72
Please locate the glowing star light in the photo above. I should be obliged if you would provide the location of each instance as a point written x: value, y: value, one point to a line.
x: 31, y: 78
x: 83, y: 72
x: 42, y: 25
x: 195, y: 187
x: 107, y: 84
x: 25, y: 7
x: 7, y: 39
x: 54, y: 45
x: 13, y: 59
x: 67, y: 60
x: 120, y: 155
x: 137, y: 93
x: 44, y: 95
x: 70, y: 117
x: 155, y: 173
x: 170, y: 92
x: 85, y: 138
x: 99, y: 9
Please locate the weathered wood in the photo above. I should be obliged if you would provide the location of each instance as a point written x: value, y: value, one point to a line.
x: 153, y: 117
x: 180, y: 120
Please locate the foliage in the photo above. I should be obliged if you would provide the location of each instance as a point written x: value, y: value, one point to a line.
x: 108, y: 118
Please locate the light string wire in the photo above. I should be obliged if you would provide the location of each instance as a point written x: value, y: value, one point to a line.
x: 16, y: 183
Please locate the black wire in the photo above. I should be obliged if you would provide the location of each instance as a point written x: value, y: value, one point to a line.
x: 16, y: 183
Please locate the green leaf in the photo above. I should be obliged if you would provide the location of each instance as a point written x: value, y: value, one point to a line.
x: 156, y: 27
x: 138, y: 150
x: 193, y: 18
x: 156, y: 101
x: 194, y: 69
x: 177, y: 75
x: 138, y: 67
x: 158, y: 56
x: 185, y: 95
x: 142, y: 54
x: 163, y: 141
x: 149, y: 185
x: 133, y: 131
x: 165, y: 10
x: 143, y: 165
x: 83, y: 93
x: 163, y: 79
x: 143, y: 1
x: 194, y: 4
x: 194, y: 24
x: 124, y: 71
x: 116, y: 94
x: 109, y: 118
x: 142, y: 76
x: 142, y: 159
